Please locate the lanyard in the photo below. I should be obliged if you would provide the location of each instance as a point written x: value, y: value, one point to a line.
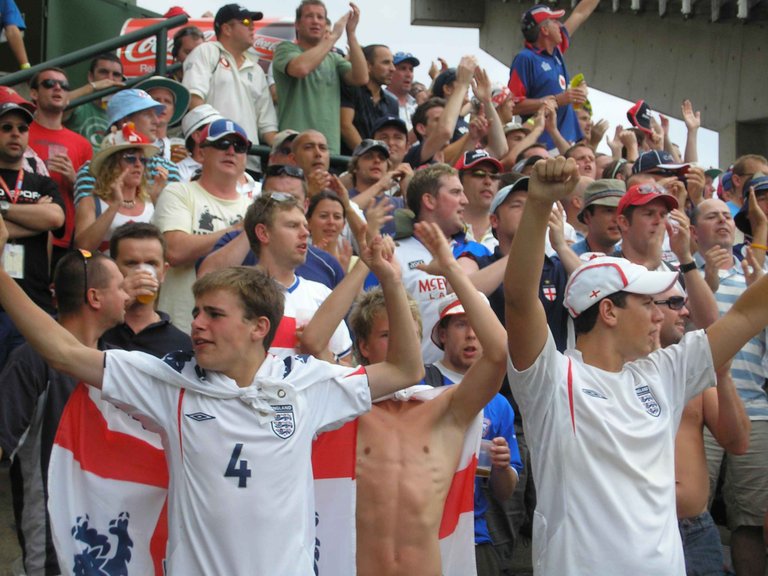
x: 16, y: 189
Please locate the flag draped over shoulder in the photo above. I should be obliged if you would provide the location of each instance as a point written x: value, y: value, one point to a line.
x: 108, y: 483
x: 333, y: 463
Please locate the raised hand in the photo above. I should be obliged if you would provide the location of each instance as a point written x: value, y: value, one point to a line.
x: 481, y: 87
x: 714, y: 259
x: 553, y: 179
x: 752, y: 269
x: 466, y: 69
x: 679, y: 230
x: 116, y: 189
x: 353, y: 20
x: 429, y: 234
x: 692, y: 119
x: 695, y: 181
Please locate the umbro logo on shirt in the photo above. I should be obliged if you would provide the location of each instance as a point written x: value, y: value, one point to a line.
x: 594, y: 393
x: 200, y: 416
x: 414, y: 264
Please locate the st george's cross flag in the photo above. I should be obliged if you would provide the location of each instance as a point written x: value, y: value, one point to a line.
x: 108, y: 483
x: 333, y: 463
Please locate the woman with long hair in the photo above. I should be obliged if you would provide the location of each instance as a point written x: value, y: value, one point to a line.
x: 120, y: 192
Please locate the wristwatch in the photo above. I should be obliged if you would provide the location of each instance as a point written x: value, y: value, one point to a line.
x: 4, y: 207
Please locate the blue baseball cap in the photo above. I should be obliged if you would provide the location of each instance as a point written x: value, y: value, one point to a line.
x: 130, y: 101
x: 401, y: 57
x: 657, y: 162
x: 222, y: 128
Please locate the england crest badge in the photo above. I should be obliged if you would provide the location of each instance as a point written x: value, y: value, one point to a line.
x: 284, y: 424
x: 645, y: 395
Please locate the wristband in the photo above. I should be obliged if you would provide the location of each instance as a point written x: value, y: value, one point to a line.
x: 25, y: 66
x: 758, y: 246
x: 93, y: 86
x: 685, y: 268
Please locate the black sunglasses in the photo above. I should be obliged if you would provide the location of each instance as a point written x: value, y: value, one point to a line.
x: 49, y: 83
x: 224, y: 144
x: 85, y: 255
x: 285, y: 170
x: 673, y: 302
x: 132, y: 158
x: 483, y: 174
x: 8, y: 128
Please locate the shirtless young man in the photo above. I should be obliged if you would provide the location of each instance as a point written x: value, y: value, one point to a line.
x: 408, y: 450
x: 722, y: 411
x: 233, y: 403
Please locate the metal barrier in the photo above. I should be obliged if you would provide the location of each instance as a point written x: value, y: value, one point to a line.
x: 160, y: 31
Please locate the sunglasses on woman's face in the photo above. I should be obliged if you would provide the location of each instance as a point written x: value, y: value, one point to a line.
x: 132, y: 158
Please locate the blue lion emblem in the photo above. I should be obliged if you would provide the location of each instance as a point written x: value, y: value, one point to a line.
x: 94, y: 560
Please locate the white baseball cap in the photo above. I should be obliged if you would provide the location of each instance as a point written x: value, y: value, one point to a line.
x: 451, y: 306
x: 197, y: 118
x: 604, y: 275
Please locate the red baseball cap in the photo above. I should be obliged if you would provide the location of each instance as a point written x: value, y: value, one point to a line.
x: 641, y: 194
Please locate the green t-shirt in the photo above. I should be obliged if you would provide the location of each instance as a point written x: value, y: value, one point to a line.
x: 90, y: 121
x: 312, y: 102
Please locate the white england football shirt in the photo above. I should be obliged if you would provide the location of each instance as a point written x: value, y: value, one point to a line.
x: 602, y: 448
x: 240, y: 498
x: 429, y: 291
x: 302, y: 299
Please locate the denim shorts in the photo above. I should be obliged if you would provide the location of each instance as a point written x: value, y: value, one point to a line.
x: 701, y: 546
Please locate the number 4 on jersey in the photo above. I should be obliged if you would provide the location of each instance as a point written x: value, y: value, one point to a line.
x: 237, y: 469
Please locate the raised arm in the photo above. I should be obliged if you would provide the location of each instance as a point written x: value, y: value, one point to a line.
x: 60, y: 349
x: 724, y: 413
x: 483, y: 380
x: 317, y: 333
x: 692, y: 123
x: 307, y: 61
x: 358, y: 74
x: 481, y: 87
x: 403, y: 366
x: 551, y: 180
x: 746, y: 318
x: 580, y: 15
x: 701, y: 300
x: 439, y: 138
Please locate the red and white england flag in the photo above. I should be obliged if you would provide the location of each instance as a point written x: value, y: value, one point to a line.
x: 108, y: 483
x: 333, y: 463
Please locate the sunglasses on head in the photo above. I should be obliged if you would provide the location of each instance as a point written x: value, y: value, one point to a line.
x: 651, y: 188
x: 8, y: 128
x: 224, y: 144
x: 285, y: 170
x: 85, y: 255
x: 49, y: 83
x: 133, y: 157
x: 673, y: 302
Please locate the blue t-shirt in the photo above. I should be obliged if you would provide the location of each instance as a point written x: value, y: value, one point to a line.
x: 10, y: 15
x: 498, y: 420
x: 535, y: 73
x: 319, y: 267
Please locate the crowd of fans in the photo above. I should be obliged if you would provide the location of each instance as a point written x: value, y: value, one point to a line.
x: 465, y: 208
